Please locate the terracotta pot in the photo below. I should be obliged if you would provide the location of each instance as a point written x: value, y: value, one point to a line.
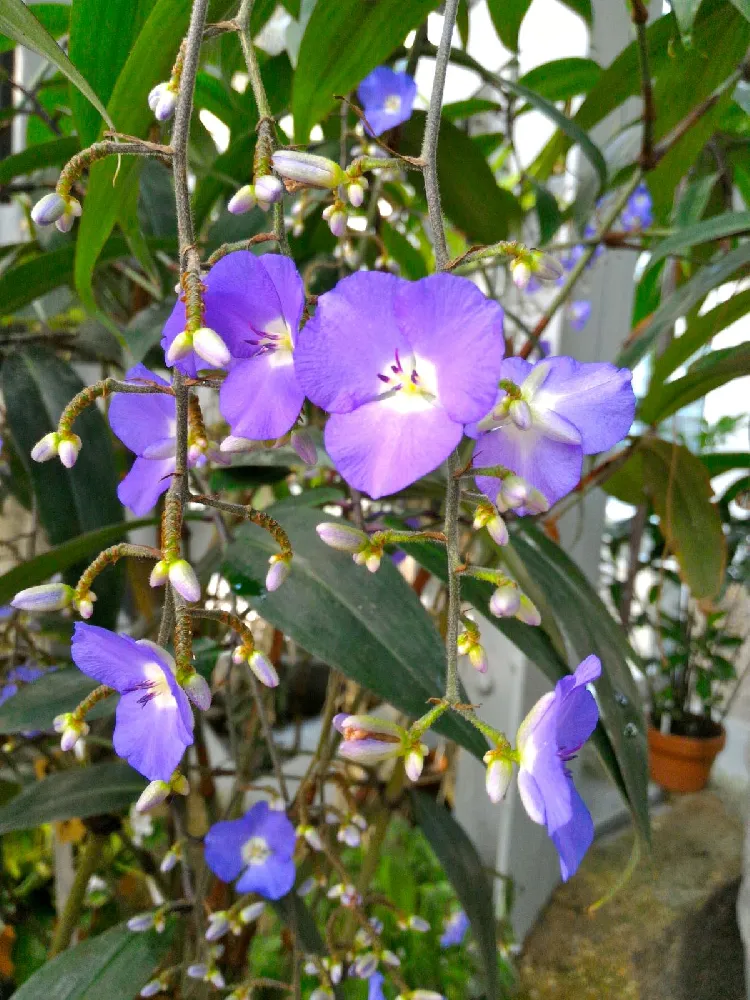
x: 682, y: 763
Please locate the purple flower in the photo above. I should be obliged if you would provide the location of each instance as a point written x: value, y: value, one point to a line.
x: 258, y: 848
x: 255, y: 305
x: 551, y: 734
x: 375, y: 987
x: 154, y: 721
x: 576, y: 409
x: 579, y: 313
x: 387, y: 98
x: 18, y: 676
x: 401, y: 366
x: 454, y: 929
x: 638, y: 212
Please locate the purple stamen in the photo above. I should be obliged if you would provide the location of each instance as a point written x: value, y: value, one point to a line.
x: 384, y: 378
x: 397, y: 367
x: 415, y: 377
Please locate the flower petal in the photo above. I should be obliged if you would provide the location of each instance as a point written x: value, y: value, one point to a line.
x: 278, y: 830
x: 150, y: 734
x: 115, y: 660
x: 574, y: 838
x: 140, y: 420
x: 597, y: 398
x: 380, y: 449
x: 145, y: 483
x: 223, y: 845
x: 272, y: 880
x: 260, y: 398
x: 552, y: 467
x: 448, y: 321
x: 352, y: 338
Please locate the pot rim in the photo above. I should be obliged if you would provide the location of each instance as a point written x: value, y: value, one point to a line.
x: 674, y: 745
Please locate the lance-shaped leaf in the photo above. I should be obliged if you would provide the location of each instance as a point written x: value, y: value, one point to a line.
x: 707, y: 373
x: 716, y: 228
x: 34, y: 707
x: 54, y: 153
x: 370, y: 626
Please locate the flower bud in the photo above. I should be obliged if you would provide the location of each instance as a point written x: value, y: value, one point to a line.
x: 165, y: 104
x: 263, y: 669
x: 242, y: 200
x: 159, y: 574
x: 369, y: 739
x: 498, y: 530
x: 307, y: 168
x: 85, y: 604
x: 520, y: 272
x: 342, y: 536
x: 545, y: 267
x: 183, y: 579
x: 520, y: 414
x: 311, y: 836
x: 208, y: 345
x: 72, y: 212
x: 47, y: 597
x: 505, y: 601
x: 155, y: 986
x: 278, y: 572
x: 232, y: 444
x: 170, y: 859
x: 180, y: 347
x: 350, y: 835
x: 498, y: 776
x: 322, y: 993
x: 71, y: 729
x: 372, y: 562
x: 536, y: 502
x: 303, y: 444
x: 48, y: 209
x: 337, y: 223
x: 178, y: 783
x: 152, y: 796
x: 198, y: 691
x: 143, y: 922
x: 528, y: 613
x: 514, y: 491
x: 249, y: 914
x: 365, y: 965
x: 356, y: 193
x: 68, y: 448
x: 218, y: 925
x: 418, y: 924
x: 198, y: 971
x: 478, y: 658
x: 155, y: 94
x: 46, y: 447
x: 268, y: 190
x: 414, y: 762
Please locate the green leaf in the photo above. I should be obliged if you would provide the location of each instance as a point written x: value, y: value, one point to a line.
x: 62, y: 557
x: 342, y: 42
x: 54, y: 153
x: 471, y: 197
x: 53, y: 17
x: 678, y: 485
x: 725, y: 461
x: 460, y: 110
x: 716, y: 228
x: 693, y: 202
x: 562, y: 79
x: 464, y: 868
x: 411, y: 262
x: 707, y: 373
x: 109, y: 787
x: 35, y: 705
x: 101, y: 37
x: 680, y: 303
x: 36, y: 387
x: 582, y: 8
x: 370, y: 626
x: 115, y: 964
x: 547, y: 210
x: 685, y: 12
x: 743, y: 6
x: 507, y: 16
x: 17, y: 21
x: 590, y: 628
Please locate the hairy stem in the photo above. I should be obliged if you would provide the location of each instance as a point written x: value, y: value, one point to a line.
x: 88, y: 862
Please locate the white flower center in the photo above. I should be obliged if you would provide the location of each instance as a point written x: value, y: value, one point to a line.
x: 410, y: 385
x: 275, y: 341
x: 157, y: 687
x: 392, y: 104
x: 256, y: 851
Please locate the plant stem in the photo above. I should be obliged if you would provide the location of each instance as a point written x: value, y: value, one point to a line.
x: 88, y: 863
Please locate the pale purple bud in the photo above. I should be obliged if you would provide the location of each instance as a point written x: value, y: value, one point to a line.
x: 414, y: 762
x: 337, y: 223
x: 70, y: 728
x: 48, y: 209
x: 545, y: 267
x: 349, y: 835
x: 159, y: 574
x: 46, y: 447
x: 514, y: 491
x: 307, y: 168
x: 180, y: 347
x: 321, y: 993
x: 163, y: 448
x: 179, y: 784
x: 153, y: 988
x: 183, y: 579
x: 306, y: 887
x: 218, y: 925
x: 208, y: 345
x: 165, y: 105
x: 143, y: 922
x: 198, y: 971
x: 268, y: 189
x: 68, y: 450
x: 478, y: 658
x: 155, y: 95
x: 233, y: 444
x: 528, y: 613
x: 372, y: 561
x: 85, y: 607
x: 72, y: 212
x: 356, y: 194
x: 249, y: 914
x: 498, y: 530
x: 520, y: 414
x: 198, y: 691
x: 390, y: 958
x: 498, y: 776
x: 505, y: 601
x: 216, y: 979
x: 342, y: 536
x: 242, y: 200
x: 536, y: 502
x: 422, y: 995
x: 153, y: 795
x: 303, y: 444
x: 46, y: 597
x: 418, y: 924
x: 278, y: 572
x: 336, y: 971
x: 520, y: 272
x: 365, y: 965
x: 170, y: 859
x: 263, y: 669
x: 311, y: 836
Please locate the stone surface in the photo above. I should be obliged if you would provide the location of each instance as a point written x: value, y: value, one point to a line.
x: 669, y: 934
